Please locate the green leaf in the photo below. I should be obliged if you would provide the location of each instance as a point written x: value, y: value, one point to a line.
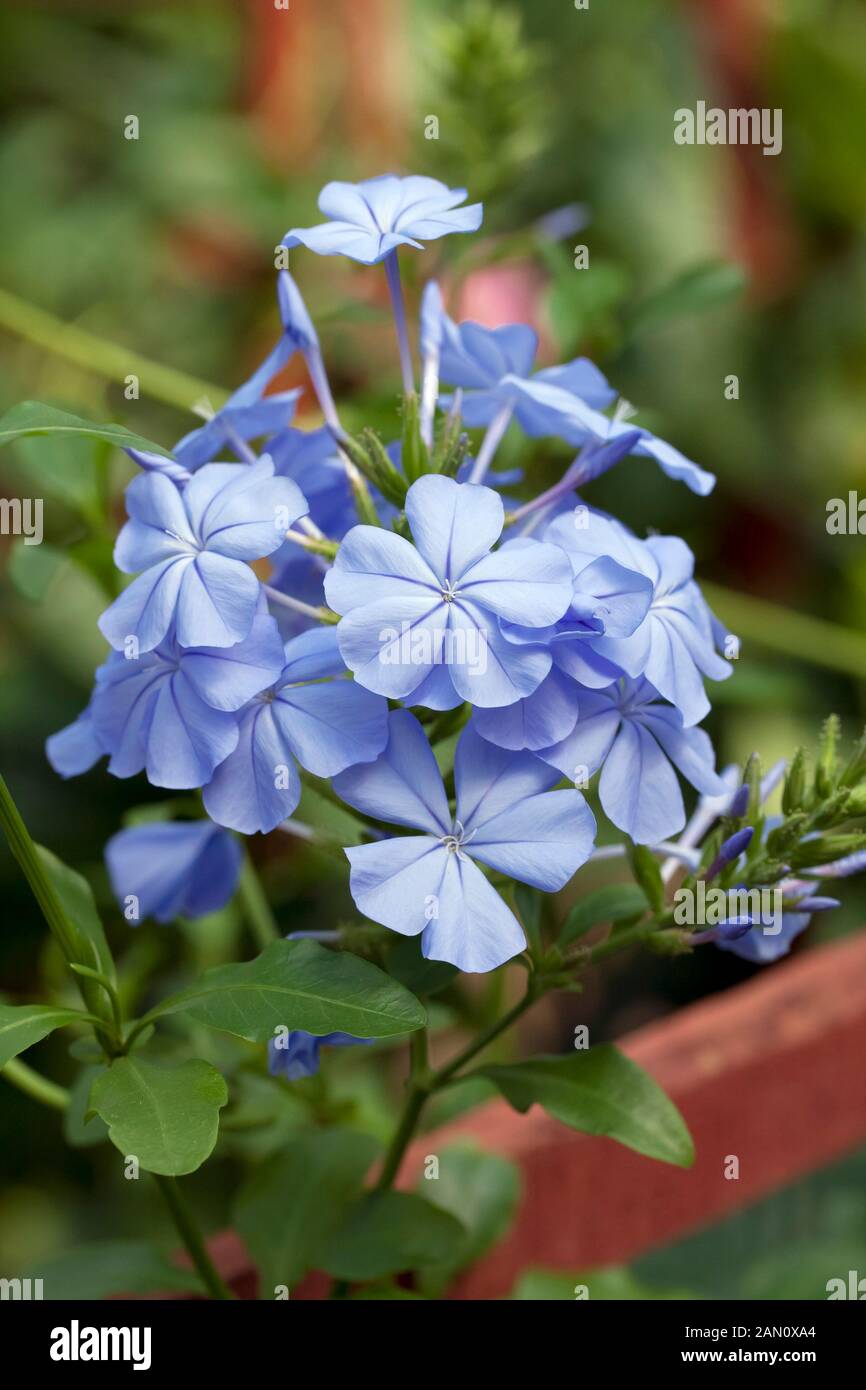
x: 111, y: 1267
x: 482, y: 1191
x: 67, y: 472
x: 33, y: 568
x: 81, y: 1128
x: 388, y: 1232
x: 293, y: 1203
x: 23, y: 1025
x: 528, y: 902
x: 700, y: 288
x: 76, y: 899
x: 415, y: 971
x: 32, y: 417
x: 166, y: 1116
x: 647, y: 874
x: 299, y: 984
x: 614, y: 903
x: 599, y: 1091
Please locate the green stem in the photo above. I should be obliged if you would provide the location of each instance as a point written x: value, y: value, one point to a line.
x: 423, y: 1082
x: 191, y: 1236
x: 619, y: 941
x: 256, y: 907
x: 487, y: 1036
x: 106, y: 359
x: 780, y: 629
x: 38, y: 1087
x: 63, y: 930
x: 416, y: 1098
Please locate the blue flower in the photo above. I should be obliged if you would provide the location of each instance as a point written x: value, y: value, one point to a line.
x: 637, y: 741
x: 492, y: 367
x: 170, y: 711
x: 372, y: 218
x: 607, y: 598
x: 505, y: 817
x: 421, y: 622
x: 326, y: 725
x: 172, y: 869
x: 296, y: 1054
x: 675, y: 644
x: 244, y: 416
x: 192, y: 546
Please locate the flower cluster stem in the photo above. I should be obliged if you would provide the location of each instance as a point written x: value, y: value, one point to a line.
x: 193, y: 1240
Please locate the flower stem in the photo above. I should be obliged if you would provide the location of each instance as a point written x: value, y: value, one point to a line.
x: 38, y: 1087
x: 423, y: 1083
x: 94, y: 354
x: 490, y: 443
x: 191, y: 1236
x: 392, y: 271
x: 321, y: 615
x: 416, y: 1099
x: 257, y: 909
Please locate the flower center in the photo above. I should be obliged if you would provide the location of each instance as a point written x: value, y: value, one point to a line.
x: 449, y: 593
x: 456, y: 840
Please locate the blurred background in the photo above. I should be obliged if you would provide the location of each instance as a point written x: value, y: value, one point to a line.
x: 154, y: 256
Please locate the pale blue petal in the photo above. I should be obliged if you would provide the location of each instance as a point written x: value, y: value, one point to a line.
x: 187, y: 738
x: 227, y: 677
x: 396, y: 882
x: 393, y: 645
x: 373, y: 564
x: 453, y: 524
x: 527, y: 582
x: 403, y: 786
x: 639, y: 789
x: 541, y: 840
x: 217, y: 602
x: 543, y: 718
x: 146, y: 607
x: 257, y: 786
x: 331, y: 725
x: 495, y: 671
x: 488, y: 779
x: 473, y: 928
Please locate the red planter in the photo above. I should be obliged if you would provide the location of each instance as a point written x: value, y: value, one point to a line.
x: 770, y: 1072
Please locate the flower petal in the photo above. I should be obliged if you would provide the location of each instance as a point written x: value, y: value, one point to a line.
x: 403, y: 786
x: 453, y: 524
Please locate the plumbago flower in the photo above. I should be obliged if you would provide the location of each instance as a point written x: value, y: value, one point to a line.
x: 545, y: 646
x: 422, y: 622
x: 429, y: 884
x: 493, y: 368
x: 370, y: 219
x: 304, y: 717
x: 637, y: 740
x: 173, y: 869
x: 193, y: 546
x: 295, y: 1054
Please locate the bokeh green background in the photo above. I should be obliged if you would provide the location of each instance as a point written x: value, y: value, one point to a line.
x: 703, y: 262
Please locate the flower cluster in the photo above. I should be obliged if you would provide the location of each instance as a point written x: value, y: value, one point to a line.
x: 561, y: 643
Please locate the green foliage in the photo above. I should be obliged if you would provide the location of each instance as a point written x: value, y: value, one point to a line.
x: 388, y: 1232
x: 299, y: 984
x: 599, y: 1091
x: 108, y: 1267
x: 617, y: 902
x: 32, y: 417
x: 482, y: 1191
x: 22, y: 1026
x: 164, y: 1115
x: 290, y: 1206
